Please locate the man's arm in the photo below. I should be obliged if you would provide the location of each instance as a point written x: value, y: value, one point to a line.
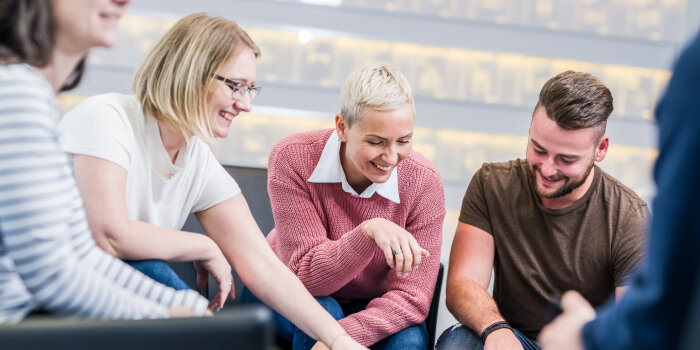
x: 469, y: 274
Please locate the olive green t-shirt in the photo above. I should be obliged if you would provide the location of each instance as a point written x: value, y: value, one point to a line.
x: 590, y: 246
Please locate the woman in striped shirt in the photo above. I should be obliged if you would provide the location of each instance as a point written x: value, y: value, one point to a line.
x: 48, y: 259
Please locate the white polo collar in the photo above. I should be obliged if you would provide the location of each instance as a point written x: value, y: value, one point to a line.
x: 329, y: 170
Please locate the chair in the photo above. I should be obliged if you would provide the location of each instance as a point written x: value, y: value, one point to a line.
x: 242, y: 328
x: 253, y: 184
x: 431, y: 320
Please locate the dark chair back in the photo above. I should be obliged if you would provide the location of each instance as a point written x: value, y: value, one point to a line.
x: 244, y: 328
x: 431, y: 320
x: 253, y: 184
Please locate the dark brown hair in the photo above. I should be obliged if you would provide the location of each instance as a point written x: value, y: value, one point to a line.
x: 27, y: 36
x: 576, y: 100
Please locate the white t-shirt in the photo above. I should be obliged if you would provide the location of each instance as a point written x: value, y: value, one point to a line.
x: 114, y: 127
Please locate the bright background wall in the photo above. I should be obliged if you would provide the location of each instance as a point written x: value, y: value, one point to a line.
x: 476, y: 67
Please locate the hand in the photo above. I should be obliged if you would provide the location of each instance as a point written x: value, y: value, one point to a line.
x: 179, y: 311
x: 319, y: 346
x: 341, y: 343
x: 220, y: 270
x: 502, y: 339
x: 564, y: 332
x: 391, y: 237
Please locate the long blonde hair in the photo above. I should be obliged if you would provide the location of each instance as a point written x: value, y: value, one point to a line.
x: 174, y: 82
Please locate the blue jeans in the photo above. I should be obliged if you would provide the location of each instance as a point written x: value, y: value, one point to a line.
x: 461, y: 337
x: 159, y: 271
x: 415, y: 337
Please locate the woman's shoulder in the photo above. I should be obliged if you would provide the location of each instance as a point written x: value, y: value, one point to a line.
x: 21, y: 74
x: 416, y: 165
x: 20, y: 83
x: 303, y: 143
x: 27, y: 103
x: 305, y: 139
x: 299, y: 151
x: 113, y: 109
x: 123, y: 105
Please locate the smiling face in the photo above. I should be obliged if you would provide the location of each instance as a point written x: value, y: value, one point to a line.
x: 561, y: 160
x: 221, y: 107
x: 375, y: 144
x: 84, y: 24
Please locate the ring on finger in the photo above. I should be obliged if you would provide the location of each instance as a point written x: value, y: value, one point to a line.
x: 397, y: 251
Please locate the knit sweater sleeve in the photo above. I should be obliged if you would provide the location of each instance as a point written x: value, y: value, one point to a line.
x: 322, y: 264
x: 407, y: 301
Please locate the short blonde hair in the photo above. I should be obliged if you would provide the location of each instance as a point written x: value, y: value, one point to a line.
x: 380, y: 87
x: 174, y: 82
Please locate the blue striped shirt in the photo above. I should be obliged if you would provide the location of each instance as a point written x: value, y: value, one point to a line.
x: 48, y: 258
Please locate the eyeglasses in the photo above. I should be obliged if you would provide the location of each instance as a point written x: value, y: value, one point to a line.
x: 238, y: 89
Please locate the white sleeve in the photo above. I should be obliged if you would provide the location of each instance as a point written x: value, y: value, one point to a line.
x: 98, y: 127
x: 218, y: 185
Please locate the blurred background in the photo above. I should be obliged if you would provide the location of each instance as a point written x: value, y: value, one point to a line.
x: 476, y: 68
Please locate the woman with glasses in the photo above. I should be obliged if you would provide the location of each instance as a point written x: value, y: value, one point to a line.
x: 358, y: 215
x: 49, y: 262
x: 142, y: 166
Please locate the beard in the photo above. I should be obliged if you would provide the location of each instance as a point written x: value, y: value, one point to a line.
x: 570, y: 184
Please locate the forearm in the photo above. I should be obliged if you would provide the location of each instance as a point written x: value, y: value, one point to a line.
x: 471, y: 304
x: 403, y: 306
x: 329, y: 266
x: 62, y: 283
x: 136, y: 240
x: 279, y: 288
x: 131, y: 280
x: 233, y: 228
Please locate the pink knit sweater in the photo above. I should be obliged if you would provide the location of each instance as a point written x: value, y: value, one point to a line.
x: 319, y: 236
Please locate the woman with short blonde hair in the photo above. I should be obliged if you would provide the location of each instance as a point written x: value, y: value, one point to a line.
x: 357, y: 212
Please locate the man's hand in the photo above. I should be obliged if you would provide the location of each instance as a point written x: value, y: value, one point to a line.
x: 565, y: 331
x: 502, y: 339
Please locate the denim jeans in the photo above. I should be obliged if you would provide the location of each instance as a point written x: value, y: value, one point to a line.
x: 415, y: 337
x: 159, y: 271
x: 461, y: 337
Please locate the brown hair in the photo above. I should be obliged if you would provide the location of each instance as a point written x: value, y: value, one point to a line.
x: 174, y: 81
x: 26, y: 32
x: 27, y: 36
x: 576, y: 100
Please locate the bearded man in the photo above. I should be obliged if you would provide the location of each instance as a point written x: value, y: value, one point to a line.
x: 547, y: 224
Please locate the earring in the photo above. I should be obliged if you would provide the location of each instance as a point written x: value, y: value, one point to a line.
x: 339, y: 139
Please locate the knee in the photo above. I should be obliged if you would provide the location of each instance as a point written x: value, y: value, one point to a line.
x: 247, y: 297
x: 331, y: 305
x: 415, y: 337
x: 459, y: 337
x: 153, y: 267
